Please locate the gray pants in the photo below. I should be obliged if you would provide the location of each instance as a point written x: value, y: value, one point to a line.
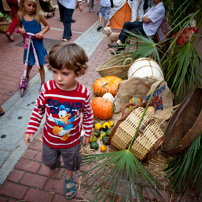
x: 71, y: 157
x: 91, y: 2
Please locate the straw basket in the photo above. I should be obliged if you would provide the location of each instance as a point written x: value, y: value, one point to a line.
x: 149, y: 136
x: 145, y: 67
x: 117, y: 65
x: 4, y: 26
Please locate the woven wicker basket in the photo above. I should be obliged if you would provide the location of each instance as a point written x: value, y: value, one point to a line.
x: 149, y: 136
x: 117, y: 65
x: 4, y: 26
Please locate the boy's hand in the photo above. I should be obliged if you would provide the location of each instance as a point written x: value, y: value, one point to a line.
x: 86, y: 140
x: 27, y: 138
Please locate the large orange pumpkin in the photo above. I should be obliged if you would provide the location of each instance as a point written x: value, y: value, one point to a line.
x: 102, y: 108
x: 107, y: 84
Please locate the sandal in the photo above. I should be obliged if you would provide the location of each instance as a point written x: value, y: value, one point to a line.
x: 114, y: 45
x: 99, y: 27
x: 2, y: 114
x: 117, y: 51
x: 71, y: 189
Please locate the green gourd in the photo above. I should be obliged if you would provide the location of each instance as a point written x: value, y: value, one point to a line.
x: 94, y: 145
x: 105, y: 140
x: 108, y: 132
x: 93, y: 139
x: 96, y: 133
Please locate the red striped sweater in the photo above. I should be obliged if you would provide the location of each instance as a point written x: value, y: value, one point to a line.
x: 63, y: 115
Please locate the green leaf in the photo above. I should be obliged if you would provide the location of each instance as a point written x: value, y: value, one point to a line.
x: 185, y: 168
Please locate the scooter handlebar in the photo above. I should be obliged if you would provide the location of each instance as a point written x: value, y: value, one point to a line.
x: 29, y: 34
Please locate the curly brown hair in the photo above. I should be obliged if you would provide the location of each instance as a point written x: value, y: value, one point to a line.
x: 68, y: 55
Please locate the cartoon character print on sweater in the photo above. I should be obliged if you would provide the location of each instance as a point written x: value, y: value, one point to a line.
x: 64, y: 121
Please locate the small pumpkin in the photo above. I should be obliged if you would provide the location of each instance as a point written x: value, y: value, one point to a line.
x: 106, y: 126
x: 93, y: 139
x: 135, y: 100
x: 103, y: 148
x: 109, y: 96
x: 105, y: 140
x: 102, y: 134
x: 111, y: 123
x: 94, y: 145
x: 98, y: 126
x: 96, y: 133
x: 108, y: 131
x: 107, y: 84
x: 102, y: 108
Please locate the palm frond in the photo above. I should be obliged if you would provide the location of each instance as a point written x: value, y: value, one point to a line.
x: 185, y: 168
x: 144, y: 47
x: 183, y: 69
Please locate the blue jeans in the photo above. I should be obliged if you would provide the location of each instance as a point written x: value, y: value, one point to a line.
x: 66, y: 18
x: 67, y: 23
x: 136, y: 27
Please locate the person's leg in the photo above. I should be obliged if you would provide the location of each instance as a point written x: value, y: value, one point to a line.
x: 42, y: 74
x: 51, y: 157
x: 68, y: 177
x: 129, y: 26
x: 73, y: 19
x: 13, y: 4
x: 61, y: 11
x: 101, y: 14
x: 67, y: 23
x: 28, y: 71
x: 100, y: 23
x: 107, y: 11
x: 138, y: 29
x: 100, y: 20
x: 72, y: 160
x: 91, y: 2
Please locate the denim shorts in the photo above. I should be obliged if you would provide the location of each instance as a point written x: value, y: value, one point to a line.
x: 71, y: 157
x: 104, y: 11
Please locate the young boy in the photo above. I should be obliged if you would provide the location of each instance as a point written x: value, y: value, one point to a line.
x: 104, y: 10
x: 63, y: 99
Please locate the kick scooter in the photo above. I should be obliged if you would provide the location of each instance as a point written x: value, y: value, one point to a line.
x: 28, y: 42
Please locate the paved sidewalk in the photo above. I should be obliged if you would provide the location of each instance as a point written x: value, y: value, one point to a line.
x: 18, y: 110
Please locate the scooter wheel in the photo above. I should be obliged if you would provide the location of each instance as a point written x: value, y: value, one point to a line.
x: 22, y: 91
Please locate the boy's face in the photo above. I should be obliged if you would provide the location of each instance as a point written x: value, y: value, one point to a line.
x: 65, y: 79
